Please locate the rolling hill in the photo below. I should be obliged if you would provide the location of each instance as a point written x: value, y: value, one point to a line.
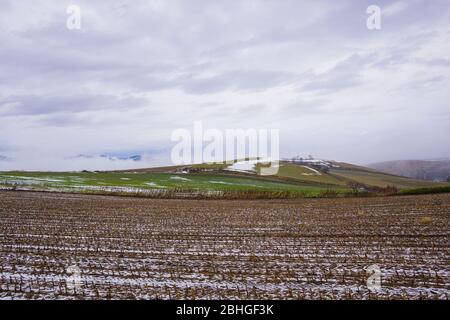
x: 435, y: 170
x: 311, y: 178
x: 326, y: 174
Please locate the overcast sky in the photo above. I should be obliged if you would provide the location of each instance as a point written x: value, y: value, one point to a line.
x: 138, y: 69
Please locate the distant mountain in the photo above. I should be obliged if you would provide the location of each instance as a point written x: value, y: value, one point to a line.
x: 114, y: 157
x: 111, y: 157
x: 434, y: 170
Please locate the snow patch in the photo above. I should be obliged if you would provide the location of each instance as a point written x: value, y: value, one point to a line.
x: 152, y: 184
x: 313, y: 170
x: 179, y: 178
x: 220, y: 182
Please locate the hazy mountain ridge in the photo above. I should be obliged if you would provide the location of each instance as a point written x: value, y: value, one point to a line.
x: 136, y: 157
x: 417, y: 169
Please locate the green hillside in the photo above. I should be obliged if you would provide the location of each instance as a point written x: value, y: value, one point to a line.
x: 291, y: 180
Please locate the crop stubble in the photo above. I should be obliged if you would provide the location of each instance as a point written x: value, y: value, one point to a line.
x: 132, y: 248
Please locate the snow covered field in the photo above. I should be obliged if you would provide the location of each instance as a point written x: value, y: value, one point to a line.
x: 172, y: 249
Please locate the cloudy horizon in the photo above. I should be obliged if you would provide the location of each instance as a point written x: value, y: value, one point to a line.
x: 137, y: 70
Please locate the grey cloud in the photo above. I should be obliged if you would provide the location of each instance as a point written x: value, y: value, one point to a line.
x: 236, y: 80
x: 301, y: 108
x: 246, y: 63
x: 44, y: 105
x: 345, y: 74
x: 441, y: 62
x: 63, y: 119
x: 195, y: 83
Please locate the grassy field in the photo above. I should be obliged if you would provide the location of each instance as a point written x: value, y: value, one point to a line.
x: 141, y: 182
x: 302, y: 173
x: 344, y: 175
x: 135, y: 248
x: 382, y: 180
x: 445, y: 189
x: 217, y: 180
